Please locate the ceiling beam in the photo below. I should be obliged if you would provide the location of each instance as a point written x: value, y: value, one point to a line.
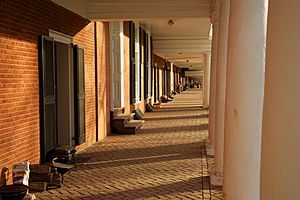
x: 194, y: 73
x: 183, y: 45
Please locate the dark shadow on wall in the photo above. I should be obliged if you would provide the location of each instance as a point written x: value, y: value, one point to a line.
x: 25, y: 20
x: 22, y: 21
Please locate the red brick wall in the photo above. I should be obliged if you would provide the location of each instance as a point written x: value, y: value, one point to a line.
x: 142, y: 102
x: 103, y: 79
x: 86, y: 38
x: 21, y: 21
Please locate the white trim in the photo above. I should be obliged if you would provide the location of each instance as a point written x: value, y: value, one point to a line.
x: 117, y: 64
x: 60, y: 37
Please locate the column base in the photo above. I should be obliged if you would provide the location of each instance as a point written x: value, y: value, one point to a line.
x: 205, y: 106
x: 216, y: 177
x: 210, y: 150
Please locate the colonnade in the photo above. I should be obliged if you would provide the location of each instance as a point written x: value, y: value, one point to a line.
x: 250, y: 84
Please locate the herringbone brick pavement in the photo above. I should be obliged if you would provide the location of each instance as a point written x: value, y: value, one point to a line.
x: 166, y: 159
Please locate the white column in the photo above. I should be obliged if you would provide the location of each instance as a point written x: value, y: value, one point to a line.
x: 206, y: 79
x: 216, y: 173
x: 171, y: 78
x: 212, y: 93
x: 149, y: 64
x: 244, y: 99
x: 117, y: 64
x: 280, y: 162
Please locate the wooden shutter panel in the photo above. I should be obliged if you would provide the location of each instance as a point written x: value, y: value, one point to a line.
x: 79, y: 87
x: 139, y: 79
x: 132, y: 62
x: 146, y: 66
x: 48, y: 95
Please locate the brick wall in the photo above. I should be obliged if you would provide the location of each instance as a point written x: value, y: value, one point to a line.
x: 21, y: 21
x: 103, y: 79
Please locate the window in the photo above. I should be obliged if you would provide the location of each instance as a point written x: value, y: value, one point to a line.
x: 135, y: 62
x: 132, y: 62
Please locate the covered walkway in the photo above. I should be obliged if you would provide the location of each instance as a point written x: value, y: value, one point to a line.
x: 165, y: 160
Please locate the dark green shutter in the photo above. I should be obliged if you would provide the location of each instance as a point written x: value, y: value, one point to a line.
x: 132, y: 62
x: 80, y: 130
x: 48, y: 95
x: 140, y: 63
x: 151, y: 65
x: 155, y: 83
x: 165, y: 79
x: 146, y: 67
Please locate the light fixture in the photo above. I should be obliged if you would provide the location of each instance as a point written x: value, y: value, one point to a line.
x: 171, y: 22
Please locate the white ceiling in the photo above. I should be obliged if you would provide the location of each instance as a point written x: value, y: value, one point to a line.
x: 182, y: 43
x: 186, y: 40
x: 181, y: 28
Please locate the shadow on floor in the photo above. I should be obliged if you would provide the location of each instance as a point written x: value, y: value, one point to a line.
x: 173, y: 128
x: 138, y: 156
x: 176, y: 118
x: 178, y: 109
x: 190, y: 185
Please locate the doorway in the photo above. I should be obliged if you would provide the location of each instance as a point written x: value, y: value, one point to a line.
x: 62, y: 99
x: 65, y: 94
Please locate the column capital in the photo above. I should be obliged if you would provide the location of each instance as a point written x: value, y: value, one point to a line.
x: 215, y: 14
x: 214, y: 18
x: 223, y: 1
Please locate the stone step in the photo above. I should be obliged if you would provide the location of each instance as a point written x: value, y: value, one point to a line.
x: 156, y: 105
x: 124, y: 116
x: 134, y: 123
x: 118, y: 111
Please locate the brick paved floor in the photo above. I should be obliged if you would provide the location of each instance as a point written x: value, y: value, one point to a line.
x: 165, y: 160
